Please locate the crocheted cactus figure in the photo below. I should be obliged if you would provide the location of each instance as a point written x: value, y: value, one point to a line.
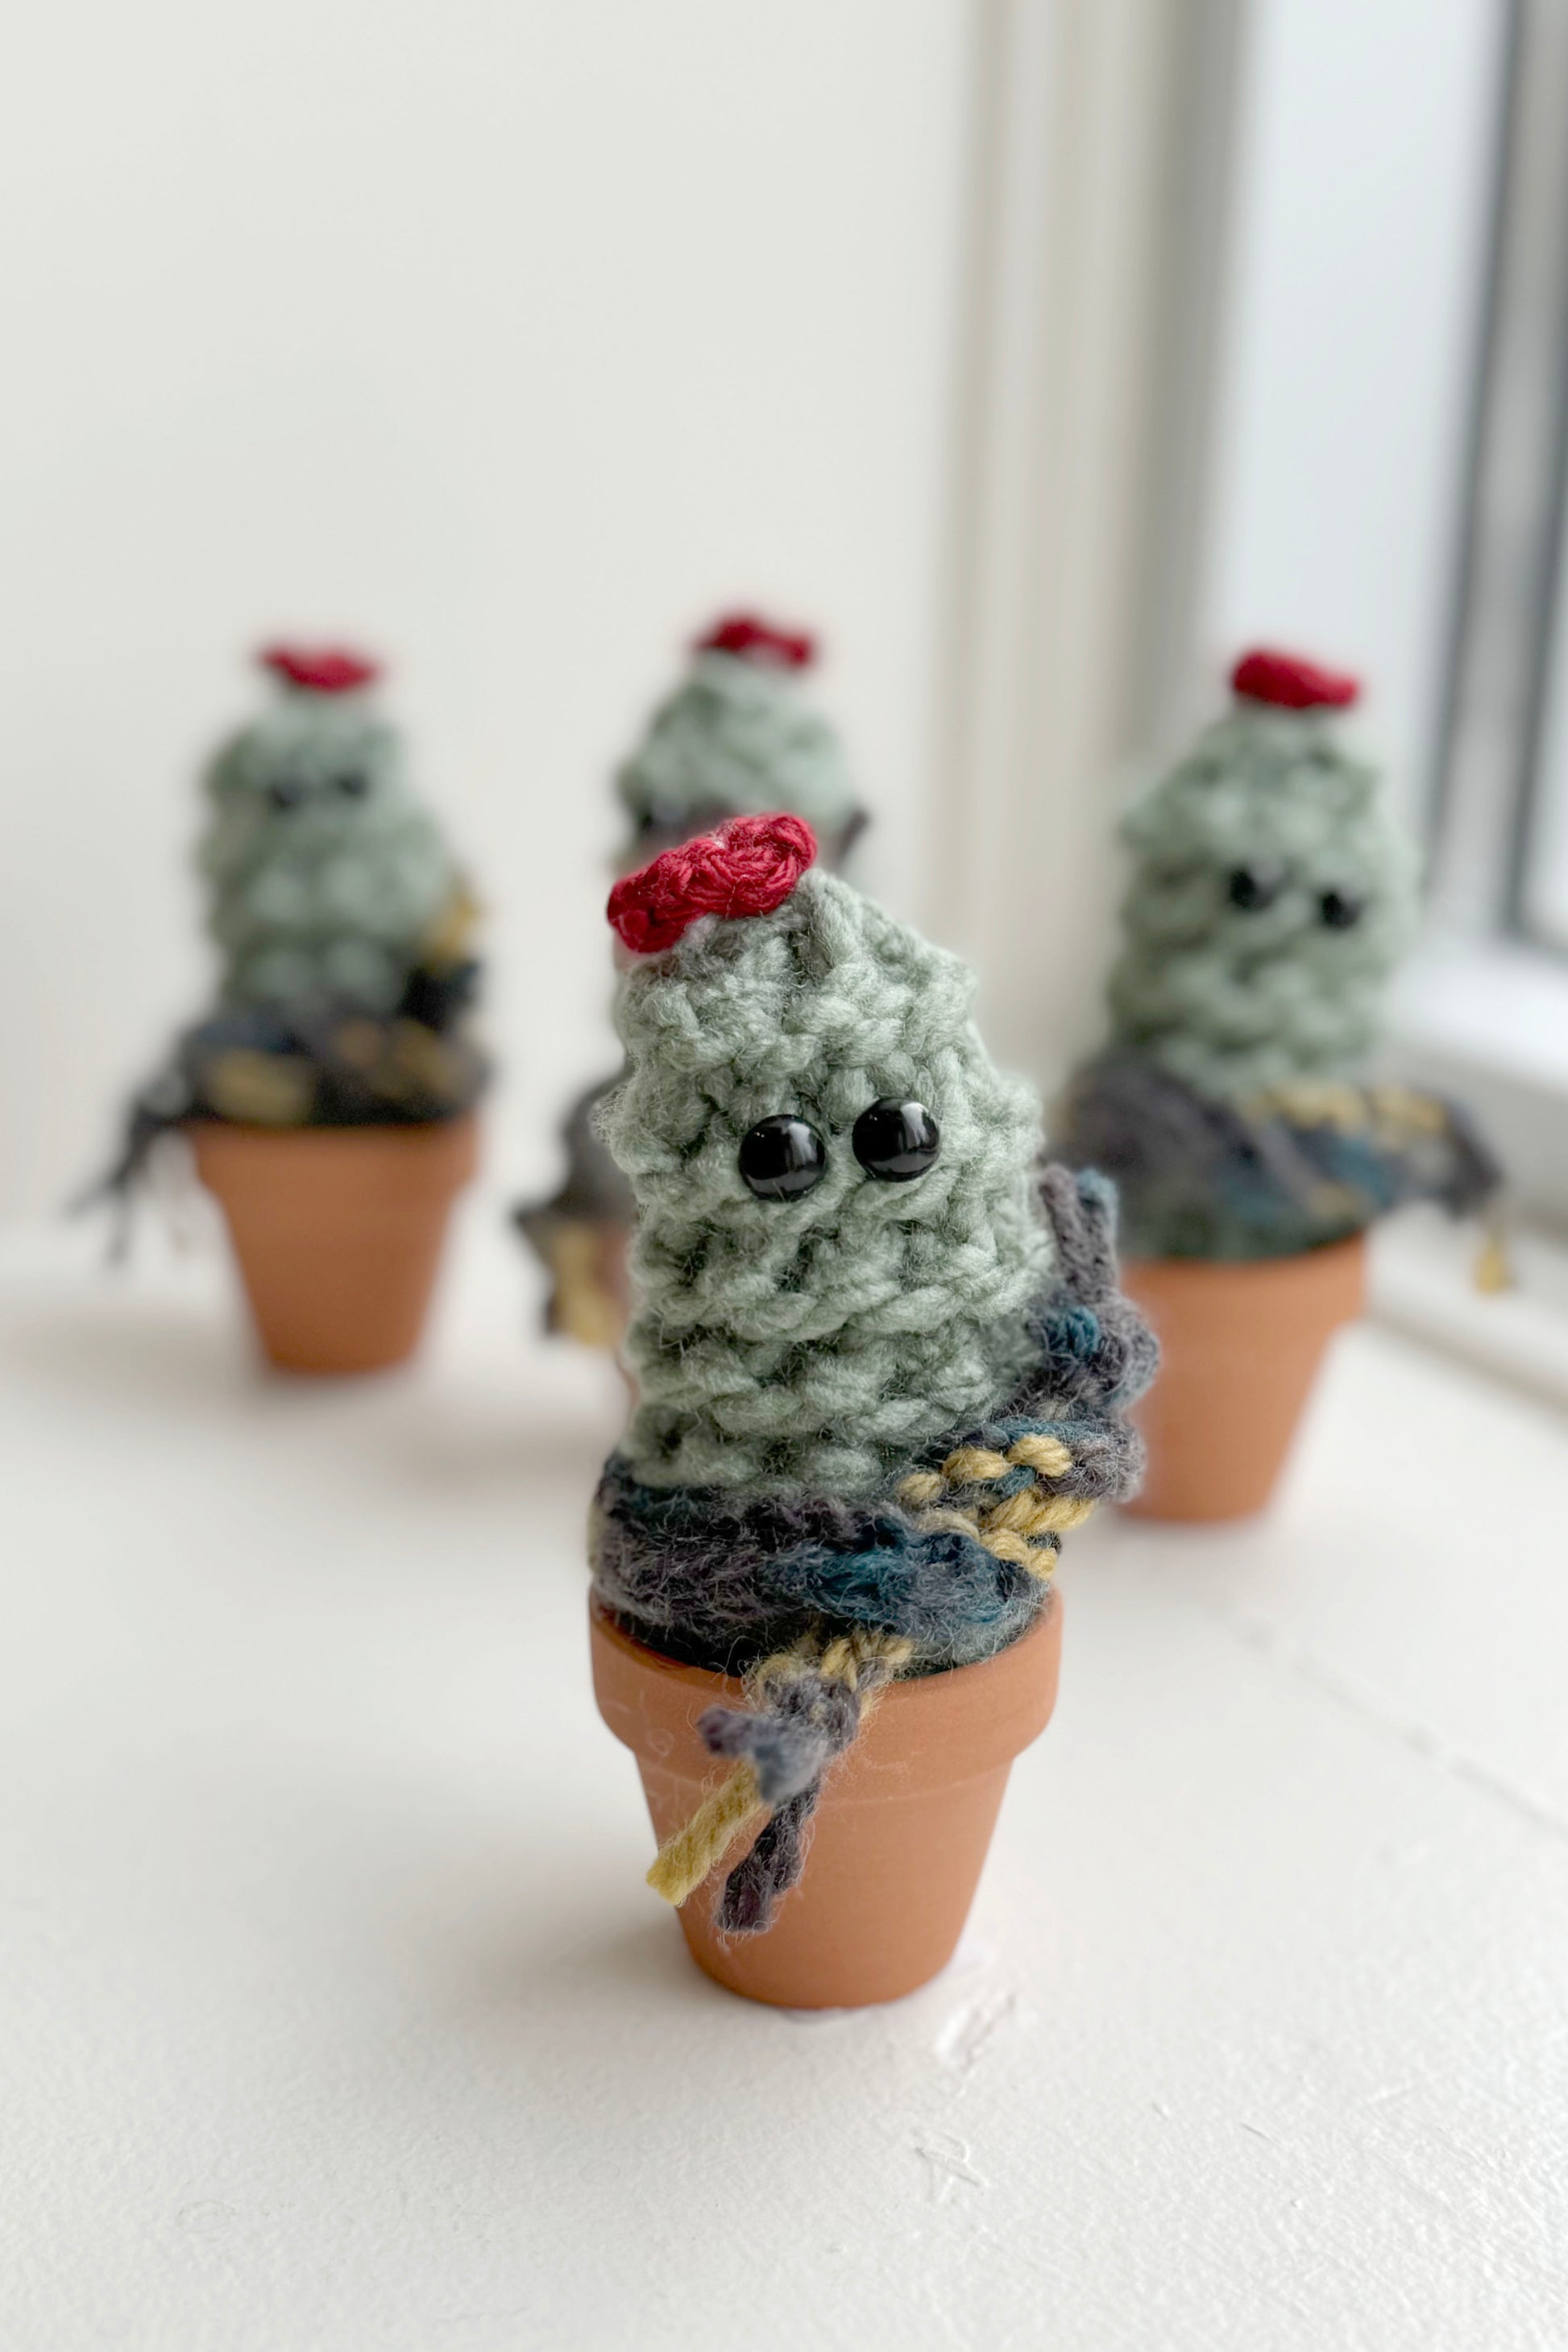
x: 328, y: 878
x: 1272, y: 895
x: 737, y: 739
x: 882, y: 1361
x: 348, y: 976
x: 808, y: 1327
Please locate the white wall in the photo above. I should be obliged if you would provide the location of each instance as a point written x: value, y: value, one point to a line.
x: 1365, y: 189
x: 510, y: 336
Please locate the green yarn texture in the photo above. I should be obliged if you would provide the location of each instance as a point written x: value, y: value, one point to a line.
x: 1231, y: 999
x: 325, y: 873
x: 737, y: 738
x: 814, y: 1345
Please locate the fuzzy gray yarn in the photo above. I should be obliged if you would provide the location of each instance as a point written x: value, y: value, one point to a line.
x: 745, y: 1907
x: 812, y: 1346
x: 812, y: 1720
x: 719, y: 1582
x: 1265, y: 1178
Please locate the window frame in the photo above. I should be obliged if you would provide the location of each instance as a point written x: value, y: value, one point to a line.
x: 1484, y: 1006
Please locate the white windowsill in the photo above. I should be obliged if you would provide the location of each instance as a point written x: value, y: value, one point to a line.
x: 1501, y: 1004
x: 1485, y: 1020
x: 324, y: 1899
x: 1423, y: 1284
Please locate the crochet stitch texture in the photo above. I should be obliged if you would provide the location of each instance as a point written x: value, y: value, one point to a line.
x: 328, y: 880
x: 874, y: 1397
x: 348, y: 972
x: 815, y: 1345
x: 1234, y: 998
x: 737, y: 738
x: 1272, y: 893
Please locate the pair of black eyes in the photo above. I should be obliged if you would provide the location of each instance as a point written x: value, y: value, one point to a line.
x: 1253, y: 887
x: 784, y: 1156
x: 353, y: 785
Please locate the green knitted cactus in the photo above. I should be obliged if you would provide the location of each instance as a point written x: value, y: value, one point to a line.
x: 1271, y: 896
x: 327, y: 876
x: 736, y: 739
x: 815, y: 1343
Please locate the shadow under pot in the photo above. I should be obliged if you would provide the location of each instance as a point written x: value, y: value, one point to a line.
x: 897, y: 1840
x: 337, y: 1231
x: 1240, y: 1347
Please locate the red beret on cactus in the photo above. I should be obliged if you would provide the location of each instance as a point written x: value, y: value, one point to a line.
x: 319, y: 669
x: 751, y: 637
x: 748, y: 867
x: 1291, y: 683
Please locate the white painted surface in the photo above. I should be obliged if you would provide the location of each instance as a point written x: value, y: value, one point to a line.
x: 1364, y: 202
x: 335, y: 2013
x: 1424, y: 1284
x: 512, y: 339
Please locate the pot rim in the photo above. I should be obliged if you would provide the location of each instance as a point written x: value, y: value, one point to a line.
x: 928, y: 1730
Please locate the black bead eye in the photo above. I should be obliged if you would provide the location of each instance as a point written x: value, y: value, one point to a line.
x: 1253, y: 887
x: 782, y: 1156
x: 896, y: 1140
x: 354, y: 783
x: 284, y: 794
x: 1340, y: 910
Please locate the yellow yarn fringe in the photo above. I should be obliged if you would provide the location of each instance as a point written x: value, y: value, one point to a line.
x: 1023, y: 1529
x: 921, y: 1486
x: 1494, y: 1268
x: 1047, y: 1456
x: 685, y: 1860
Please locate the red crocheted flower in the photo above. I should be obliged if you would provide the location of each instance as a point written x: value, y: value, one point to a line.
x: 319, y: 669
x: 748, y: 867
x: 754, y: 639
x: 1290, y: 682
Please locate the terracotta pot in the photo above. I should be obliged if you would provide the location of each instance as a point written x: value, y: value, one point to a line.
x: 1239, y: 1346
x: 338, y: 1231
x: 898, y: 1840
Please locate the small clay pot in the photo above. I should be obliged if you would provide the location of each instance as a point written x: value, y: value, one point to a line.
x: 897, y: 1841
x: 1239, y: 1349
x: 337, y: 1230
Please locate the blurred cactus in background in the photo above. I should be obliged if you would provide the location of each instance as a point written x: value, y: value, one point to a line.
x: 737, y: 738
x: 1272, y: 895
x: 342, y: 924
x: 329, y: 880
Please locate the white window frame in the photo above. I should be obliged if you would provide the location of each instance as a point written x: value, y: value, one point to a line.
x: 1104, y: 135
x: 1483, y: 1008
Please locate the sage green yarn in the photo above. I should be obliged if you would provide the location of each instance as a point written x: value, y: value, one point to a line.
x: 737, y: 738
x: 814, y: 1345
x: 331, y: 896
x: 1233, y: 1000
